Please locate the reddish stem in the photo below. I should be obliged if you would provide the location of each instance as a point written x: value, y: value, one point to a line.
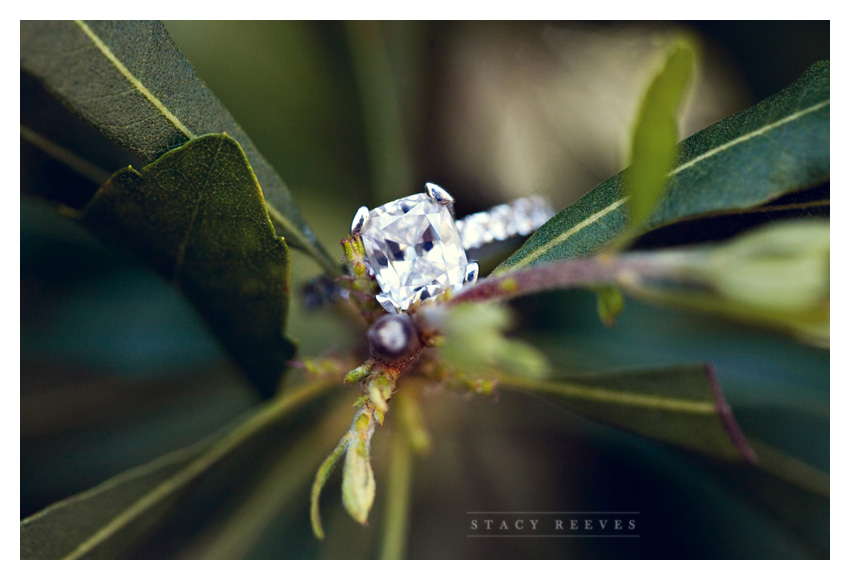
x: 603, y: 269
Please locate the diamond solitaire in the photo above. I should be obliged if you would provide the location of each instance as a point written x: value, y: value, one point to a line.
x: 417, y: 250
x: 414, y: 249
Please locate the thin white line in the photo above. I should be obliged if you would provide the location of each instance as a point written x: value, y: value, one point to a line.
x: 553, y: 513
x: 133, y: 80
x: 569, y: 233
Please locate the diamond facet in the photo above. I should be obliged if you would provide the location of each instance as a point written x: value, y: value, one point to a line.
x: 414, y: 249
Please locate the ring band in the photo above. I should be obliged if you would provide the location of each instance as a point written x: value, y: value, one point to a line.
x: 504, y: 221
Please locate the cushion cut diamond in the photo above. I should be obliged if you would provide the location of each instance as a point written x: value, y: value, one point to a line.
x: 414, y: 248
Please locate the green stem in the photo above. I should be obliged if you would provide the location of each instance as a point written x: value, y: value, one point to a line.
x: 266, y: 416
x: 568, y: 390
x: 233, y: 538
x: 790, y: 469
x: 605, y: 269
x: 381, y: 102
x: 66, y: 157
x: 397, y: 515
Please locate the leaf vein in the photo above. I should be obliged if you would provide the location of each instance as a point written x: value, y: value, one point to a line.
x: 588, y: 221
x: 595, y: 394
x: 139, y: 86
x: 695, y: 162
x: 747, y: 136
x: 181, y: 250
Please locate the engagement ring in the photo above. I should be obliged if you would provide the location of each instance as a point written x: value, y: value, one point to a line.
x: 417, y: 250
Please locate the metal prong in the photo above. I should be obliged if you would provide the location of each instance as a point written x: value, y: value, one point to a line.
x: 359, y: 221
x: 438, y: 194
x: 387, y: 303
x: 470, y: 275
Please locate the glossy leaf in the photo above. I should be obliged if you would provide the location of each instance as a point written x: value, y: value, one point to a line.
x: 129, y: 80
x: 779, y: 146
x: 104, y: 521
x: 197, y: 216
x: 682, y: 406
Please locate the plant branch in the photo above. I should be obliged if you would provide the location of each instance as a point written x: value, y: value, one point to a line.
x: 380, y: 96
x: 82, y: 166
x: 601, y: 269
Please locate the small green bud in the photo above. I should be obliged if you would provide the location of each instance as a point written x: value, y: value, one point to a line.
x: 348, y: 250
x: 358, y: 480
x: 360, y: 373
x: 508, y: 285
x: 474, y: 341
x: 609, y: 304
x: 377, y: 398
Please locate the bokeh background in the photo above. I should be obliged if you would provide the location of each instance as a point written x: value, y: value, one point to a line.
x: 117, y: 369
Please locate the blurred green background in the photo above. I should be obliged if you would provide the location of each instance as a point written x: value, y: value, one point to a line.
x: 116, y: 369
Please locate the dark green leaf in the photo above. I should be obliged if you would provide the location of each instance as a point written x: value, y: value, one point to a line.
x: 683, y: 406
x: 63, y: 158
x: 103, y: 521
x: 197, y: 216
x: 130, y: 81
x: 779, y: 146
x: 75, y: 527
x: 657, y: 132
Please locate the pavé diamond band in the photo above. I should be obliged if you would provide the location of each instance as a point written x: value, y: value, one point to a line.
x: 417, y: 250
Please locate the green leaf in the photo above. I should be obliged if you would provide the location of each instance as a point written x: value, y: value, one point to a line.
x: 103, y: 521
x: 130, y: 81
x: 197, y: 216
x: 657, y: 132
x: 358, y: 479
x: 474, y: 341
x: 783, y: 266
x: 62, y: 158
x: 775, y: 276
x: 322, y: 474
x: 779, y: 146
x: 682, y: 406
x: 76, y: 526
